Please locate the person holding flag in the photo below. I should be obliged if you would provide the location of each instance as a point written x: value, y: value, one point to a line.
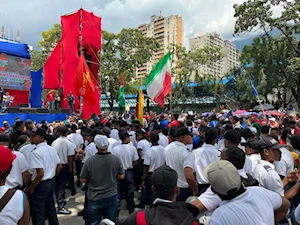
x: 121, y: 97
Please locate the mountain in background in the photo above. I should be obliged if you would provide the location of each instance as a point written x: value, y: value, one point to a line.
x: 240, y: 44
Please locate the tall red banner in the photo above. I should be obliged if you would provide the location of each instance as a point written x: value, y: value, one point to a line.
x: 70, y: 41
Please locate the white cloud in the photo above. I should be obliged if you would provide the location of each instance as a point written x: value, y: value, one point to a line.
x: 32, y: 17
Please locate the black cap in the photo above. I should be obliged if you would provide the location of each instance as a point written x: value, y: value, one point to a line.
x: 63, y: 129
x: 88, y: 132
x: 164, y: 180
x: 271, y: 142
x: 123, y: 135
x: 182, y: 131
x: 157, y: 126
x: 4, y: 138
x: 173, y: 131
x: 96, y: 132
x: 73, y: 127
x: 140, y: 132
x: 28, y: 121
x: 233, y: 136
x: 227, y: 127
x: 18, y: 124
x: 292, y: 122
x: 254, y: 143
x: 247, y: 133
x: 37, y: 131
x: 106, y: 130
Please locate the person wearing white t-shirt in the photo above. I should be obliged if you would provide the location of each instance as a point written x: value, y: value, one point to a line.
x: 66, y: 151
x: 155, y: 157
x: 163, y: 140
x: 45, y: 165
x: 265, y: 171
x: 107, y: 131
x: 286, y: 163
x: 252, y: 150
x: 129, y: 158
x: 182, y: 161
x: 240, y: 205
x: 27, y: 150
x: 233, y: 137
x: 204, y: 156
x: 16, y: 210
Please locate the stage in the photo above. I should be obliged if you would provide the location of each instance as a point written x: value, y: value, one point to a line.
x: 37, y: 117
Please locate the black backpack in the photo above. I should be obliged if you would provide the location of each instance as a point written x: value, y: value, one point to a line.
x: 250, y: 181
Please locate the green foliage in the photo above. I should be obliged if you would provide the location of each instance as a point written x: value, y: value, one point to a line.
x: 187, y: 68
x: 123, y: 53
x: 273, y: 60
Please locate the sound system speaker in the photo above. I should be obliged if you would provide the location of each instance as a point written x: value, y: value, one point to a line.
x: 13, y: 110
x: 60, y: 91
x: 65, y: 111
x: 23, y: 105
x: 42, y: 110
x: 28, y: 110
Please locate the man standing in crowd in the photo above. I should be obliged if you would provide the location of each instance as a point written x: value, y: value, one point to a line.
x: 164, y: 210
x: 45, y: 165
x: 102, y: 186
x: 254, y: 205
x: 71, y: 102
x: 182, y: 161
x: 204, y: 156
x: 129, y: 158
x: 154, y: 158
x: 19, y: 130
x: 66, y: 151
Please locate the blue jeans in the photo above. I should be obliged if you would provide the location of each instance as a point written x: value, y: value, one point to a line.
x: 106, y: 208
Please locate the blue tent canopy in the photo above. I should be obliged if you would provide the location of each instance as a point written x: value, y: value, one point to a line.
x: 15, y: 49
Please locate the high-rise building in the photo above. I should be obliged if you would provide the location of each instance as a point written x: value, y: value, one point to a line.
x: 231, y: 57
x: 167, y: 31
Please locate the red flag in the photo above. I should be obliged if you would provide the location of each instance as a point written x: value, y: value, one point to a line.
x: 52, y: 69
x: 83, y: 83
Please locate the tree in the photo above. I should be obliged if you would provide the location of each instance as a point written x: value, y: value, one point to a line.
x: 123, y: 53
x: 278, y: 55
x: 187, y: 68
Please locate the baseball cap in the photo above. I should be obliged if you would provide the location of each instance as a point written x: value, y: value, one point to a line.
x: 233, y: 136
x: 6, y: 159
x: 247, y: 133
x: 63, y: 129
x: 123, y: 135
x: 223, y: 177
x: 101, y: 141
x: 4, y: 138
x: 140, y: 132
x: 182, y: 131
x: 164, y: 180
x: 18, y: 124
x: 88, y: 132
x: 37, y: 131
x: 106, y: 130
x: 254, y: 143
x: 271, y: 142
x: 227, y: 127
x: 80, y: 121
x: 253, y: 130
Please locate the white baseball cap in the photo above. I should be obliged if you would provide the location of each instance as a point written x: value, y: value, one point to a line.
x: 101, y: 141
x: 223, y: 177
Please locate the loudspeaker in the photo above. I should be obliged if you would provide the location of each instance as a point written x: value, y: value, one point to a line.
x: 23, y: 105
x: 65, y: 111
x: 28, y: 110
x: 60, y: 91
x: 41, y: 110
x: 13, y: 110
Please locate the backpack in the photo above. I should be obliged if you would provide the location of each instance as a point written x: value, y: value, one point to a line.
x: 250, y: 181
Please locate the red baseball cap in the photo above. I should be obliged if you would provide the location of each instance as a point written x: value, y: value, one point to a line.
x: 6, y: 159
x: 2, y: 129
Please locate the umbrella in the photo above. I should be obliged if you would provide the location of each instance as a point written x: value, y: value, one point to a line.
x: 273, y: 113
x: 242, y: 111
x: 265, y: 107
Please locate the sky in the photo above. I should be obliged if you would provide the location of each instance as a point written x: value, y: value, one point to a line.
x: 32, y: 17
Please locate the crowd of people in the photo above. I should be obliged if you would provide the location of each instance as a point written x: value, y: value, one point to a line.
x: 185, y: 168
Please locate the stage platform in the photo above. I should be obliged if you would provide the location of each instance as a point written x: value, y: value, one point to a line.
x: 38, y: 117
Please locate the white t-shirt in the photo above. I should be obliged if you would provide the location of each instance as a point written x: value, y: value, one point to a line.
x: 163, y: 140
x: 77, y: 139
x: 27, y: 150
x: 155, y: 157
x: 19, y: 166
x: 45, y: 157
x: 267, y: 177
x: 144, y: 145
x: 127, y: 154
x: 178, y: 158
x: 111, y: 141
x: 286, y: 163
x: 90, y: 150
x: 254, y: 159
x: 64, y: 148
x: 14, y: 210
x: 204, y: 156
x: 255, y: 206
x: 133, y: 138
x: 248, y: 165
